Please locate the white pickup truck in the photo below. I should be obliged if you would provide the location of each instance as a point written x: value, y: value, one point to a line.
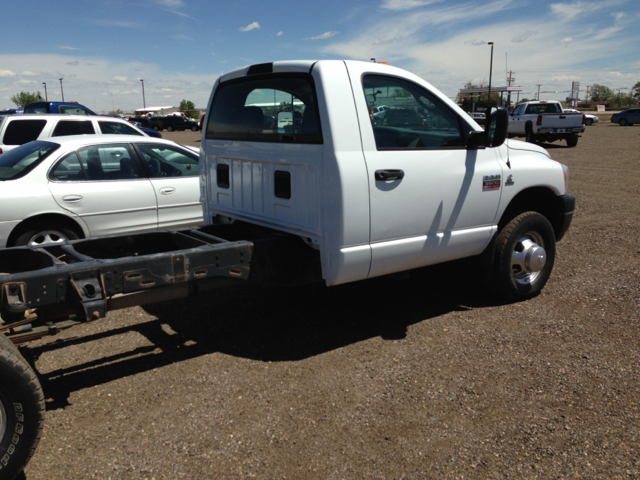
x: 331, y: 196
x: 546, y: 121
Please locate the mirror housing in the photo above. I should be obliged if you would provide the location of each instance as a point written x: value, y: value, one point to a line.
x: 476, y: 140
x: 496, y: 126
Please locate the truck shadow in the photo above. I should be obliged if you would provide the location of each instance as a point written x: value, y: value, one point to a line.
x: 269, y: 324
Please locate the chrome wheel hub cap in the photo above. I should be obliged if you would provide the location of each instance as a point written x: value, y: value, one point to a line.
x: 528, y: 258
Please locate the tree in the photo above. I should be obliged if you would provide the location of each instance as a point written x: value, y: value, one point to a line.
x: 635, y: 91
x: 480, y: 100
x: 23, y: 98
x: 600, y: 93
x: 188, y: 108
x: 285, y: 106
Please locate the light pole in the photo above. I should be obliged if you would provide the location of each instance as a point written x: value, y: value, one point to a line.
x: 539, y: 85
x: 490, y: 72
x: 144, y: 103
x: 61, y: 90
x: 373, y: 60
x: 46, y: 97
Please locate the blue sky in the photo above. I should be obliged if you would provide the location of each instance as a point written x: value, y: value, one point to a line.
x: 102, y: 49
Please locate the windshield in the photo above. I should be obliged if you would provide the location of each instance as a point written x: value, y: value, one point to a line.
x: 18, y: 162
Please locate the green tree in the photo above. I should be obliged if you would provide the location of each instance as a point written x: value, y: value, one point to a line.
x: 480, y: 100
x: 23, y: 98
x: 600, y: 93
x: 285, y: 106
x: 635, y: 91
x: 188, y: 108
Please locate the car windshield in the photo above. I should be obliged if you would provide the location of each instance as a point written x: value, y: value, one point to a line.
x: 18, y: 162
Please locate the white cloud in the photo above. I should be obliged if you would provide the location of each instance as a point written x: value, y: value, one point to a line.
x: 7, y: 73
x: 75, y: 63
x: 170, y: 3
x: 64, y: 47
x: 324, y: 36
x: 250, y: 27
x: 181, y: 37
x: 119, y: 79
x: 280, y: 33
x: 405, y: 4
x: 27, y: 82
x: 28, y: 73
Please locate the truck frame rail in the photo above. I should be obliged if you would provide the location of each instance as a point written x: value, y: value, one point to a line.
x: 47, y: 289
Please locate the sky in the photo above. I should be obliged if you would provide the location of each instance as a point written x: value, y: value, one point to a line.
x: 103, y: 48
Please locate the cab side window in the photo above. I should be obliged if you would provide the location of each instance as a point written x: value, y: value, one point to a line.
x: 118, y: 128
x: 19, y: 132
x: 73, y: 110
x: 411, y: 117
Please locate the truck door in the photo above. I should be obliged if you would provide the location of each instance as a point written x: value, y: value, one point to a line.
x: 431, y: 199
x: 516, y: 122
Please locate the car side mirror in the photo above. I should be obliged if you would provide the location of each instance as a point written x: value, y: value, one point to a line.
x: 497, y: 124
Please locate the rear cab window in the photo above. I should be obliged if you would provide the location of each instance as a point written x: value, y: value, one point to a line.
x: 279, y: 107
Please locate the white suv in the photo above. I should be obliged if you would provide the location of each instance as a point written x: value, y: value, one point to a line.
x: 16, y: 130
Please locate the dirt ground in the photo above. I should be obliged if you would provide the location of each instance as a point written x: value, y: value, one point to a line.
x: 384, y: 379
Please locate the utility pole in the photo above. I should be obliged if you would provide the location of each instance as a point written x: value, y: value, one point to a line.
x: 61, y: 90
x: 510, y: 78
x: 46, y: 97
x: 539, y: 85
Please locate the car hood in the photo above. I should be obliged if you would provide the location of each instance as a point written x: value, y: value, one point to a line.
x: 529, y: 147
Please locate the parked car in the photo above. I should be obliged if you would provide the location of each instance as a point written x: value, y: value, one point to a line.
x: 590, y: 119
x: 68, y: 108
x: 93, y: 185
x: 173, y: 122
x: 479, y: 117
x: 627, y: 117
x: 12, y: 111
x: 17, y: 130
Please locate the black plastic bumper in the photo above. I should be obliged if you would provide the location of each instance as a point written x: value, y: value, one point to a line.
x: 568, y: 207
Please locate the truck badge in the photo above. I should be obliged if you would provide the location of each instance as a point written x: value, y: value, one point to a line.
x: 490, y: 182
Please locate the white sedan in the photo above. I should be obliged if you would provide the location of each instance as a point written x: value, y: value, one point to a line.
x: 589, y: 118
x: 94, y: 185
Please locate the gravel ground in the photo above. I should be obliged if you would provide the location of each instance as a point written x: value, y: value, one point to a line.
x: 384, y: 379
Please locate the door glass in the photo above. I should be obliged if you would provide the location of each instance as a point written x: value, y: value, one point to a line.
x: 109, y: 162
x: 73, y: 110
x: 73, y: 127
x: 167, y: 161
x: 68, y: 170
x: 118, y: 128
x: 411, y: 117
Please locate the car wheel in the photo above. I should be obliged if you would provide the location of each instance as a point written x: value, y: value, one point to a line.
x: 194, y: 129
x: 44, y: 234
x: 572, y: 142
x: 588, y: 121
x: 156, y: 128
x: 169, y: 128
x: 525, y: 254
x: 21, y: 410
x: 623, y: 122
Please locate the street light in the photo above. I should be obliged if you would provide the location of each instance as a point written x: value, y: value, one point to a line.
x: 373, y: 60
x: 46, y: 98
x: 61, y: 90
x: 144, y: 103
x: 490, y: 72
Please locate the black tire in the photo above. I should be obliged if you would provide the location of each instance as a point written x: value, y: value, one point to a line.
x: 623, y: 122
x: 588, y: 121
x: 524, y: 258
x: 169, y: 128
x: 572, y: 142
x: 194, y: 129
x: 156, y: 128
x: 529, y: 136
x: 21, y: 411
x: 43, y: 233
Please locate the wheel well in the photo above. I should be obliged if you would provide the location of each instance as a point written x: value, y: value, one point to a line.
x: 537, y: 199
x: 49, y: 217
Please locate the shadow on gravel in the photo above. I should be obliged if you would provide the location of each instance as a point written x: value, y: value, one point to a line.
x: 270, y: 324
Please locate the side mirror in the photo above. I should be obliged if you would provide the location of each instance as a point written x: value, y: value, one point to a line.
x: 497, y: 124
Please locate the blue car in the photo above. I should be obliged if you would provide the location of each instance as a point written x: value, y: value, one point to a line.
x: 627, y: 117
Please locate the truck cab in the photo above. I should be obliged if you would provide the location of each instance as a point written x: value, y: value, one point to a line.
x: 371, y: 198
x: 69, y: 108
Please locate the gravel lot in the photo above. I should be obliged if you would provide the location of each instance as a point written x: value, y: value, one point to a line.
x: 425, y: 378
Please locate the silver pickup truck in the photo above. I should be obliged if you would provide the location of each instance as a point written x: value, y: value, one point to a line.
x: 545, y: 121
